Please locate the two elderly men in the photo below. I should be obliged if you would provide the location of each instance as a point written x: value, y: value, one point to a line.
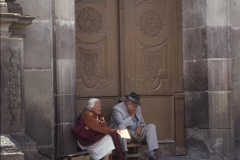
x: 127, y: 114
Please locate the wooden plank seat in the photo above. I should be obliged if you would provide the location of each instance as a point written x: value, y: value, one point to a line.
x: 133, y: 153
x: 133, y: 150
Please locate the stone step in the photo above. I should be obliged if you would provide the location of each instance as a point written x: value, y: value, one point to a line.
x: 24, y: 141
x: 10, y: 149
x: 28, y: 147
x: 12, y: 156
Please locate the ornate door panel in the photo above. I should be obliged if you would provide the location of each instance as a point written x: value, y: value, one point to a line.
x: 149, y: 47
x: 133, y: 45
x: 149, y: 58
x: 97, y: 52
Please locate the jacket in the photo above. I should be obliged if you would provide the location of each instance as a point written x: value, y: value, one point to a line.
x: 120, y: 115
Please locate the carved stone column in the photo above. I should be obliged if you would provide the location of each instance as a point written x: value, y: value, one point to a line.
x: 10, y: 149
x: 13, y: 140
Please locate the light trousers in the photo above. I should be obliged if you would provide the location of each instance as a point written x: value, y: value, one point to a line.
x: 148, y: 134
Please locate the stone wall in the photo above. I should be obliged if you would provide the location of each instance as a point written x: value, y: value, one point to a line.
x: 38, y: 73
x: 208, y: 66
x: 49, y: 71
x: 211, y: 31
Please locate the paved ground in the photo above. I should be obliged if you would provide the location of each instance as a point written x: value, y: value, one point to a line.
x: 176, y: 158
x: 180, y: 158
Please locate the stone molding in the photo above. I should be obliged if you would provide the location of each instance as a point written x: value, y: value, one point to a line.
x: 13, y: 23
x: 3, y: 7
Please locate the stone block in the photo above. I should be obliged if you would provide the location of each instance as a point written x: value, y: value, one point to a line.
x: 237, y: 149
x: 66, y: 109
x: 220, y: 115
x: 196, y: 76
x: 39, y: 106
x: 65, y: 10
x: 13, y: 156
x: 196, y: 110
x: 188, y: 14
x: 197, y: 142
x: 38, y: 46
x: 66, y: 141
x: 234, y: 13
x: 9, y: 145
x: 235, y: 41
x: 65, y: 39
x: 219, y: 75
x: 42, y: 10
x: 218, y: 12
x: 221, y: 143
x: 66, y: 73
x: 194, y: 44
x: 215, y: 144
x: 24, y: 141
x: 218, y: 42
x: 200, y: 13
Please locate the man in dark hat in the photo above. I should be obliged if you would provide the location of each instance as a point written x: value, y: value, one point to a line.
x: 127, y: 114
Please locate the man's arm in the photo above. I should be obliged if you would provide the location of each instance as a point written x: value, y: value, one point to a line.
x: 140, y: 117
x: 119, y: 118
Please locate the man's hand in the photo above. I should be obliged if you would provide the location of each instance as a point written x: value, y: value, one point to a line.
x: 138, y: 131
x: 131, y: 111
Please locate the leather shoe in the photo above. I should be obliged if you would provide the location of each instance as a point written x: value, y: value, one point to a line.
x: 125, y: 157
x: 153, y: 157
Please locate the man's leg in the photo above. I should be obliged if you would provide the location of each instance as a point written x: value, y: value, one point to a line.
x: 151, y: 137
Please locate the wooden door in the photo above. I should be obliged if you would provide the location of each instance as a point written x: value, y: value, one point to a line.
x: 133, y: 45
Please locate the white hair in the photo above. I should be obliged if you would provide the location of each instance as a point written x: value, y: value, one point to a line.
x: 91, y: 102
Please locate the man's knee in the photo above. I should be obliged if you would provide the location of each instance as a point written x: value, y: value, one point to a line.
x: 152, y: 127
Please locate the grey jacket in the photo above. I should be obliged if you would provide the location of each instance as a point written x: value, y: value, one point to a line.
x: 120, y: 116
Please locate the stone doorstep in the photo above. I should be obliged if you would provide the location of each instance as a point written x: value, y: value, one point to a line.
x: 9, y: 145
x: 12, y: 156
x: 25, y: 142
x: 18, y: 146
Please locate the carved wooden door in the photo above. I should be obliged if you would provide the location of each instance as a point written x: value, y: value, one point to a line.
x: 133, y: 45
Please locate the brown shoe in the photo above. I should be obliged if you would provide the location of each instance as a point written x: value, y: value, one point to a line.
x: 153, y: 157
x: 125, y: 158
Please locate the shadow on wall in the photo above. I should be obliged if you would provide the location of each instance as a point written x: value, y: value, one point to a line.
x: 39, y: 128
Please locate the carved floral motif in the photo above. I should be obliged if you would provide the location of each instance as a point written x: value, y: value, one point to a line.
x: 152, y: 66
x: 89, y: 59
x: 14, y: 84
x: 151, y: 23
x: 89, y: 20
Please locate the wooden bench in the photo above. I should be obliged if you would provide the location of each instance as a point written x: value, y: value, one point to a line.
x: 133, y: 150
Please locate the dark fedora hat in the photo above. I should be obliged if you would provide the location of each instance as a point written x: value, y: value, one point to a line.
x: 134, y: 98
